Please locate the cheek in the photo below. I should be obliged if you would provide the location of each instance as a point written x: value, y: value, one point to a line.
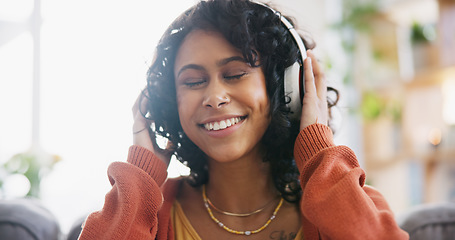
x: 181, y: 108
x: 263, y: 105
x: 263, y: 101
x: 186, y: 106
x: 258, y: 97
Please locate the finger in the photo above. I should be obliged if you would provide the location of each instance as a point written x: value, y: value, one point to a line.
x: 143, y: 102
x: 319, y: 76
x: 143, y: 135
x: 140, y: 123
x: 136, y: 104
x: 143, y: 139
x: 310, y: 87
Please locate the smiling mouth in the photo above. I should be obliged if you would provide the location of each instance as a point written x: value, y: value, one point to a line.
x: 223, y: 124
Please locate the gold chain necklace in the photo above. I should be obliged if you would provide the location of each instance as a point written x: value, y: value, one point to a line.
x: 247, y: 233
x: 238, y: 214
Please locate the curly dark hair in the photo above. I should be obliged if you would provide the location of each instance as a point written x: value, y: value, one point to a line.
x: 261, y: 37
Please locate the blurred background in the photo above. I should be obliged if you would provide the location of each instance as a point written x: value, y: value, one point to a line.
x: 71, y: 70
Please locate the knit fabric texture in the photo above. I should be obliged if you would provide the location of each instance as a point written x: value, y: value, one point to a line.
x: 336, y: 203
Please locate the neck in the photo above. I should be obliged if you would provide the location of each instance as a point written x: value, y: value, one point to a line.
x: 242, y: 185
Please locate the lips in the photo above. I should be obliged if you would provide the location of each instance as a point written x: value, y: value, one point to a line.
x: 223, y: 124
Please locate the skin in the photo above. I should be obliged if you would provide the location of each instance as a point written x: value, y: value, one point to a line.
x: 214, y: 83
x: 209, y: 88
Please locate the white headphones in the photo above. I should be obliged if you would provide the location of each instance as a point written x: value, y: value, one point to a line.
x: 293, y: 76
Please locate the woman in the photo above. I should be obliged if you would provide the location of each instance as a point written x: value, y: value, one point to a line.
x: 215, y: 91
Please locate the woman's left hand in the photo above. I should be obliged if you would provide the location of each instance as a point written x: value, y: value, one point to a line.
x: 314, y: 105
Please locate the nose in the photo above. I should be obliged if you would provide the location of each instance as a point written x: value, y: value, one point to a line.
x: 216, y: 96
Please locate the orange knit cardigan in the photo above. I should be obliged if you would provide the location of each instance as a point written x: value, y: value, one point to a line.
x: 335, y: 203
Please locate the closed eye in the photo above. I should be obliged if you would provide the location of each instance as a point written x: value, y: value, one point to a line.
x: 237, y: 76
x: 194, y: 83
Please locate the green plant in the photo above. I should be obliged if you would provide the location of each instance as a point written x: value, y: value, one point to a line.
x: 34, y: 165
x: 422, y: 33
x: 356, y: 17
x: 358, y: 14
x: 372, y: 106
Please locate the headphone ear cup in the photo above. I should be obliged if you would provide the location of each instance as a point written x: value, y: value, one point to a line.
x: 293, y: 87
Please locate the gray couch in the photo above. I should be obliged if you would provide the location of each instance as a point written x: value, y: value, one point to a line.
x: 430, y: 222
x: 27, y: 219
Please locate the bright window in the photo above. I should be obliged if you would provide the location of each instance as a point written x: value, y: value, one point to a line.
x: 94, y: 57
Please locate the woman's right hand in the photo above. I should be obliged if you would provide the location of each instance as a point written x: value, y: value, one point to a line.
x: 142, y: 131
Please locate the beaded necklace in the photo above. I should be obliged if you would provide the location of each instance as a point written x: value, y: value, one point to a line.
x: 247, y: 233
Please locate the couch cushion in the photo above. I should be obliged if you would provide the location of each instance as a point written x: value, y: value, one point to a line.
x: 430, y: 221
x: 27, y: 219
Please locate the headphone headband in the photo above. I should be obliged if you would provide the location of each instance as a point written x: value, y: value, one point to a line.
x: 290, y: 28
x: 293, y: 75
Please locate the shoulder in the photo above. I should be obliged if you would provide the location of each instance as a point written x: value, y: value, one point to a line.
x: 172, y: 187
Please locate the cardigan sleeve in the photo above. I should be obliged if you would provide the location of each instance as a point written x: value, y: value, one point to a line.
x: 131, y: 206
x: 336, y: 203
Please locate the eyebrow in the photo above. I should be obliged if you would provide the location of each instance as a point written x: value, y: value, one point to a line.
x: 220, y: 63
x: 190, y: 66
x: 230, y: 59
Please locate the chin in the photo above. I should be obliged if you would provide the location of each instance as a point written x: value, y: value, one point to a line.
x: 230, y: 154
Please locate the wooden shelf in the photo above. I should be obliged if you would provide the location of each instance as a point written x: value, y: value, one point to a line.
x: 405, y: 12
x: 439, y: 155
x: 431, y: 77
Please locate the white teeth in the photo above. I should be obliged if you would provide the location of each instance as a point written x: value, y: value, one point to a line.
x: 222, y: 124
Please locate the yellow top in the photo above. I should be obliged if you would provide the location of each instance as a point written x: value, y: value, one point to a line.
x: 183, y: 229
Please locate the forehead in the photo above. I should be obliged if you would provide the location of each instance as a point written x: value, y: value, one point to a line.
x: 201, y: 46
